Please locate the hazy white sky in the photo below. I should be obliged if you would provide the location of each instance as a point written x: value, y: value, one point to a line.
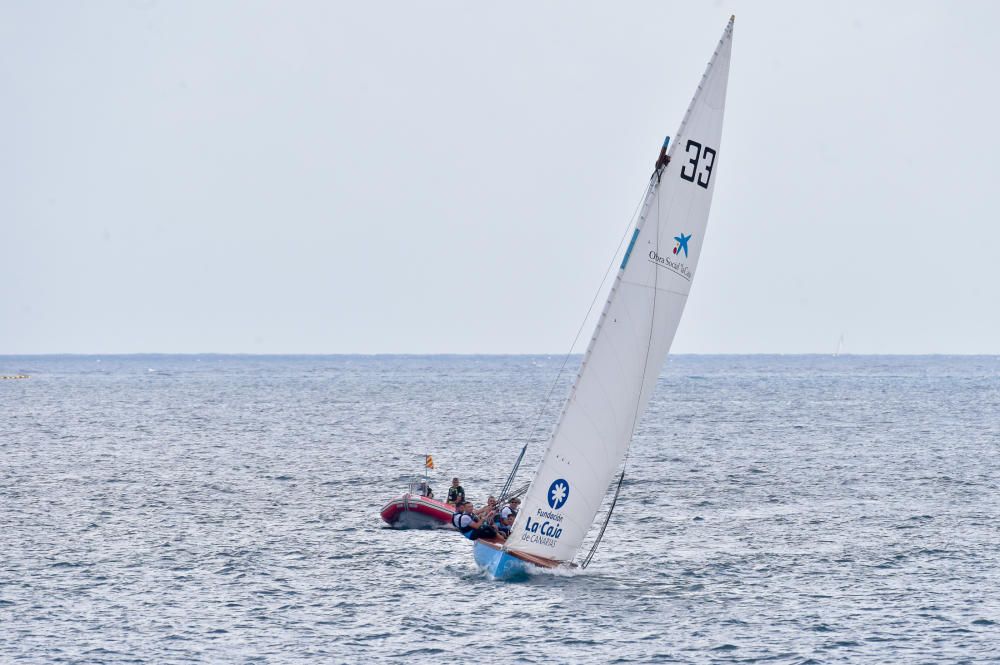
x: 454, y: 177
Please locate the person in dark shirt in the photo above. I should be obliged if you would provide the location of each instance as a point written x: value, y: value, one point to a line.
x: 456, y: 494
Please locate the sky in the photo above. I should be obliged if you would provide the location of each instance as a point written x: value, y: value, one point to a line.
x: 452, y: 177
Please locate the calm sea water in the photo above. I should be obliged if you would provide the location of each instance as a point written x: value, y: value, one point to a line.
x: 781, y: 509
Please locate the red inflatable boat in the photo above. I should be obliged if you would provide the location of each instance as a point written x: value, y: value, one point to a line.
x: 412, y: 511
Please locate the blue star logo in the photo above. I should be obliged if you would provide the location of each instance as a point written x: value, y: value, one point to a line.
x: 558, y: 493
x: 682, y: 243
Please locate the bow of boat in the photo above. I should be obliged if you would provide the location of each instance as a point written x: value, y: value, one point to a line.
x: 508, y: 565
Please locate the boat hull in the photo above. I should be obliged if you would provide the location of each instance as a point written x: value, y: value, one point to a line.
x: 500, y: 565
x: 412, y: 511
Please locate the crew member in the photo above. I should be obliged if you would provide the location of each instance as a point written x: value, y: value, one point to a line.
x: 456, y: 494
x: 510, y: 510
x: 490, y: 507
x: 469, y: 525
x: 505, y: 518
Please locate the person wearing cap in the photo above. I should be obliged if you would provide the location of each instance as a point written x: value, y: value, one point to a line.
x: 505, y: 518
x: 510, y: 510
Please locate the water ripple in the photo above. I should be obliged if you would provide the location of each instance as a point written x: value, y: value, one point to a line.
x: 776, y: 509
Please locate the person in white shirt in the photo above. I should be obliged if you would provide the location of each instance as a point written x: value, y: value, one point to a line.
x: 470, y: 525
x: 505, y: 519
x: 510, y: 510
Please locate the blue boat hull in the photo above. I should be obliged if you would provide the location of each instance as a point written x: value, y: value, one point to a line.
x: 499, y: 565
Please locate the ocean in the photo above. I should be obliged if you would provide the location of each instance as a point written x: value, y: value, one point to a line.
x: 780, y: 509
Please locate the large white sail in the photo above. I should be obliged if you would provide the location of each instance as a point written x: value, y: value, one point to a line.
x: 630, y: 343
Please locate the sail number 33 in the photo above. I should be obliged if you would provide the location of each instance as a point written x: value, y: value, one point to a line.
x: 702, y: 156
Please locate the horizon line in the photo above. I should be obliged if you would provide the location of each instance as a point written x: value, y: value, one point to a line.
x: 465, y: 354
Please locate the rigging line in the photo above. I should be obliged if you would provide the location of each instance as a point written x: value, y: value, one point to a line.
x: 600, y: 288
x: 600, y: 534
x: 576, y: 338
x: 510, y: 478
x: 642, y: 381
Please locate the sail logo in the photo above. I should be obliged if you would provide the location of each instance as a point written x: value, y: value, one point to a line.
x: 682, y: 244
x: 544, y: 533
x: 545, y: 527
x: 558, y: 494
x: 677, y: 267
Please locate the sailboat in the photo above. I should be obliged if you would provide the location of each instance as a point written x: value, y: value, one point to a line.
x: 630, y: 343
